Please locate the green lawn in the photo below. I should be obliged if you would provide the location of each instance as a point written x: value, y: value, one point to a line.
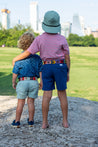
x: 83, y: 74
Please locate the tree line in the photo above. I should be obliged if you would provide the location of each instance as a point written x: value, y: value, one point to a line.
x: 75, y: 40
x: 10, y: 37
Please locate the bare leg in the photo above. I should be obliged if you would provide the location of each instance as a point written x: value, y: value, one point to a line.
x: 31, y: 108
x: 64, y: 106
x: 45, y: 107
x: 19, y: 109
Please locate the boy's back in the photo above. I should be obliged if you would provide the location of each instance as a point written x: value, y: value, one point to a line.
x: 50, y: 46
x: 29, y: 67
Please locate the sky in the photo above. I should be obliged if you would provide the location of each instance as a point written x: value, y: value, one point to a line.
x: 66, y: 9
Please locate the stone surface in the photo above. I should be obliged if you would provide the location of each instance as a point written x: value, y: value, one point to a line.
x: 82, y: 116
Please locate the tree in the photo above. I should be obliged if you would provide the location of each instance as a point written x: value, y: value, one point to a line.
x: 96, y: 41
x: 3, y: 36
x: 74, y: 40
x: 10, y: 37
x: 89, y: 40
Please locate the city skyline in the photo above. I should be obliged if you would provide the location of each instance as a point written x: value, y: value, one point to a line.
x: 20, y: 10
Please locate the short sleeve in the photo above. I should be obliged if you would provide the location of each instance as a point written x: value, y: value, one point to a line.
x: 16, y: 68
x: 66, y: 47
x: 40, y: 65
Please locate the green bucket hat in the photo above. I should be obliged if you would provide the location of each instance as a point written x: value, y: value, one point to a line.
x: 51, y: 23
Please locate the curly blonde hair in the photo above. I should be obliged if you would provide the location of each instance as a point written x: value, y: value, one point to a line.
x: 25, y: 40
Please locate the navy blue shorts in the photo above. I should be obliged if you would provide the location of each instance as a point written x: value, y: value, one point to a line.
x: 54, y: 73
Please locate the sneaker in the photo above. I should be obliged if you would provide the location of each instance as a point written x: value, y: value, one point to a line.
x: 16, y: 124
x: 30, y: 123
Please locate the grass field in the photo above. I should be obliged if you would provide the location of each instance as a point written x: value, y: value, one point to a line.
x: 83, y: 74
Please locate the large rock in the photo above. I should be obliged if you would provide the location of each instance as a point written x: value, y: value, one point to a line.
x: 82, y: 116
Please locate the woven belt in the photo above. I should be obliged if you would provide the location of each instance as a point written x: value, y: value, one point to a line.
x: 54, y: 61
x: 27, y: 78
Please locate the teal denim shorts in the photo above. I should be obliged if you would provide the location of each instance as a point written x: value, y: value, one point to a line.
x: 27, y: 88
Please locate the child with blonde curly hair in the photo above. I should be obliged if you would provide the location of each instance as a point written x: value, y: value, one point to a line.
x: 27, y: 71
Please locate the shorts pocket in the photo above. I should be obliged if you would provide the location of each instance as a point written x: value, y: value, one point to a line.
x: 62, y: 67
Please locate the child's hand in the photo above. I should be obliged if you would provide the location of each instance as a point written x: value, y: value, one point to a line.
x: 14, y: 85
x: 40, y: 85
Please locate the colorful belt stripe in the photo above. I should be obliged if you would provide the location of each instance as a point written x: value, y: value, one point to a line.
x: 54, y: 61
x: 27, y: 78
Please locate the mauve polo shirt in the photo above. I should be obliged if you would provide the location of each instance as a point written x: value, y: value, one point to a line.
x: 50, y: 46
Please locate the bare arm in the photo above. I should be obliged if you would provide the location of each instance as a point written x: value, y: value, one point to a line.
x: 14, y: 80
x: 41, y: 83
x: 21, y: 56
x: 67, y: 59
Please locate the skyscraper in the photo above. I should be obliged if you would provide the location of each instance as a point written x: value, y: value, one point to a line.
x: 66, y: 29
x: 5, y: 18
x: 77, y: 25
x: 34, y: 15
